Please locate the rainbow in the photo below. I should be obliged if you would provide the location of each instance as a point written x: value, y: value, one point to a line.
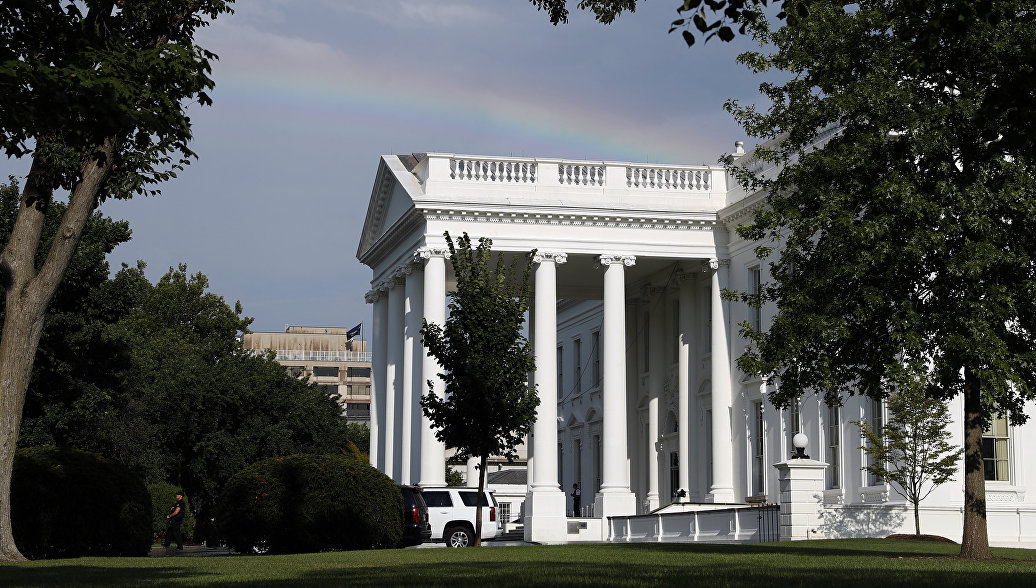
x: 259, y: 74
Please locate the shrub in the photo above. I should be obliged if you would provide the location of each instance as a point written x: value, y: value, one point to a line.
x: 304, y: 503
x: 163, y: 496
x: 70, y: 503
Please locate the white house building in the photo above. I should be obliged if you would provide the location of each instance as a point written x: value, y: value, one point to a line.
x: 634, y: 348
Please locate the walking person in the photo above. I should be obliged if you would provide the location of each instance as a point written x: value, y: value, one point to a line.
x: 175, y: 517
x: 576, y: 499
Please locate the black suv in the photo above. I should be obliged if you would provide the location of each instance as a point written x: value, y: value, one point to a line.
x: 416, y: 529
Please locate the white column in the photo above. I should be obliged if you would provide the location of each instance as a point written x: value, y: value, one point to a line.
x: 615, y: 497
x: 394, y: 379
x: 379, y: 330
x: 413, y: 313
x: 471, y: 472
x: 433, y: 452
x: 722, y: 444
x: 545, y: 501
x: 685, y: 352
x: 656, y: 377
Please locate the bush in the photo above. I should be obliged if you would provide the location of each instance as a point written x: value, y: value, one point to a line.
x: 70, y: 503
x: 163, y: 496
x: 304, y: 503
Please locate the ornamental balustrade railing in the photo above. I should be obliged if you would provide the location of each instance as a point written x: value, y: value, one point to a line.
x: 305, y: 355
x: 518, y: 171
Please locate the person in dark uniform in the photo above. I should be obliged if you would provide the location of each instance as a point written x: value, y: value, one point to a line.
x: 175, y: 517
x: 577, y: 498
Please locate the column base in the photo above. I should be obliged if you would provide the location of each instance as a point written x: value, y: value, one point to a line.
x: 545, y: 520
x: 653, y: 501
x: 720, y: 496
x: 614, y: 503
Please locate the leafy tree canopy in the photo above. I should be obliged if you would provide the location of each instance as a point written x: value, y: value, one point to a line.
x: 907, y: 190
x: 489, y: 407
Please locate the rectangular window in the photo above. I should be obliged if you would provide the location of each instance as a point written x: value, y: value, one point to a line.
x: 674, y: 475
x: 794, y: 424
x: 295, y: 370
x: 755, y: 288
x: 708, y: 320
x: 876, y: 422
x: 708, y: 450
x: 358, y: 372
x: 833, y: 448
x: 330, y: 389
x: 595, y: 340
x: 647, y: 342
x: 325, y: 371
x: 505, y: 512
x: 758, y: 469
x: 471, y: 499
x: 577, y: 362
x: 994, y: 450
x: 561, y: 378
x: 436, y: 498
x: 578, y: 463
x: 674, y: 336
x: 597, y: 463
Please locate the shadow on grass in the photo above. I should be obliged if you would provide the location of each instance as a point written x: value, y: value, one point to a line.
x: 823, y: 563
x: 87, y: 575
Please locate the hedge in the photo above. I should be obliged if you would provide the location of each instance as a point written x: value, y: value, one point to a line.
x: 307, y: 503
x: 70, y: 503
x: 163, y: 496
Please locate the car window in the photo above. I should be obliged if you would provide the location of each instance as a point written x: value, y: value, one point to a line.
x: 471, y: 498
x: 434, y: 498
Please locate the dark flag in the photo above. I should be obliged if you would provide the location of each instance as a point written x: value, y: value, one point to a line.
x: 354, y: 332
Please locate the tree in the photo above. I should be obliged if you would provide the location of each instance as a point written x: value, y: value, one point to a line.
x: 95, y: 93
x: 912, y: 451
x: 907, y: 188
x: 488, y: 407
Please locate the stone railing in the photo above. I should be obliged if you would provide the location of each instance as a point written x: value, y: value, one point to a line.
x: 307, y: 355
x: 668, y: 178
x: 441, y: 169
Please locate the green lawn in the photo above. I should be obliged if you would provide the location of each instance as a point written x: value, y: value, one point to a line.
x: 864, y: 562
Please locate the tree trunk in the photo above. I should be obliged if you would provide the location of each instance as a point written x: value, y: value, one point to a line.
x: 482, y: 462
x: 917, y: 518
x: 975, y: 541
x: 28, y: 294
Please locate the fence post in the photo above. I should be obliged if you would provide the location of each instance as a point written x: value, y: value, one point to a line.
x: 801, y: 482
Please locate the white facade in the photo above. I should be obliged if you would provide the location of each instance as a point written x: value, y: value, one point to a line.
x: 634, y: 347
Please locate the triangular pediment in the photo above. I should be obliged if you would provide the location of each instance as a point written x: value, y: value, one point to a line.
x: 392, y: 198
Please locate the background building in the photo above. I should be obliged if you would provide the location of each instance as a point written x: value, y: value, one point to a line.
x: 335, y: 358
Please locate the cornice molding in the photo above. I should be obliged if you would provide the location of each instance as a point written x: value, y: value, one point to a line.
x: 572, y: 219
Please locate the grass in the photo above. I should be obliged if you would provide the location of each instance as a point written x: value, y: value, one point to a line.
x: 856, y: 562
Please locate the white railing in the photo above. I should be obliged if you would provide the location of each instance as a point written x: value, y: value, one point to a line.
x: 699, y: 523
x: 492, y: 170
x: 516, y: 171
x: 668, y: 178
x: 578, y: 174
x: 305, y: 355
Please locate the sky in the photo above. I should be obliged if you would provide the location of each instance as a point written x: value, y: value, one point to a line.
x: 310, y: 93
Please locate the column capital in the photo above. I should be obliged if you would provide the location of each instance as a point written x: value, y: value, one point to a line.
x: 372, y: 296
x: 430, y: 252
x: 611, y: 259
x: 555, y: 256
x: 714, y: 264
x: 398, y: 278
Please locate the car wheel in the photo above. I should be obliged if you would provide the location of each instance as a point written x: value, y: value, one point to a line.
x: 458, y: 537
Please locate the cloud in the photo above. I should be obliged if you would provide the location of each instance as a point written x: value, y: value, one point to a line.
x: 418, y: 14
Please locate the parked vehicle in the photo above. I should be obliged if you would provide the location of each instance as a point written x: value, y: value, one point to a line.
x: 416, y: 528
x: 451, y: 512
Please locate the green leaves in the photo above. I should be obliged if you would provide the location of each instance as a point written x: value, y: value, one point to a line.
x: 488, y: 408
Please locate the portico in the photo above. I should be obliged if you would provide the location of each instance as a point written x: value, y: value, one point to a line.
x: 606, y: 234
